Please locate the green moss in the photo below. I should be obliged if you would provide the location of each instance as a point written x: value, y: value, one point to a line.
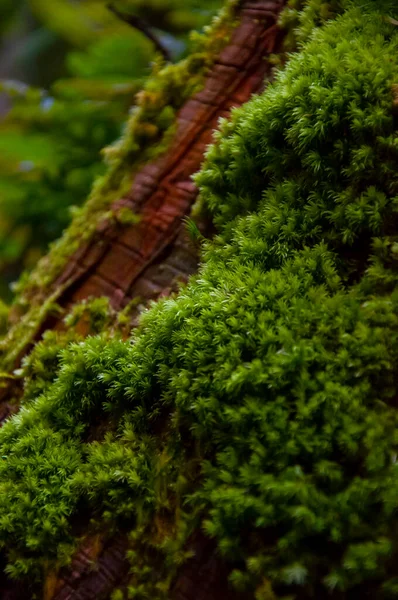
x: 260, y: 403
x: 20, y: 335
x: 125, y: 216
x: 95, y: 313
x: 40, y: 366
x: 301, y: 17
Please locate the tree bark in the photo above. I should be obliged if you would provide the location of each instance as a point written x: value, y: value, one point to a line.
x: 147, y: 259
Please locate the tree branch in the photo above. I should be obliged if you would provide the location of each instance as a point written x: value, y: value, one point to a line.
x: 142, y: 26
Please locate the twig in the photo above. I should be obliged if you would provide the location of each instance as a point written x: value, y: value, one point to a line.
x: 392, y: 21
x: 142, y: 26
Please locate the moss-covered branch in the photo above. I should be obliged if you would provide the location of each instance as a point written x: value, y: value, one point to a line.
x: 261, y: 401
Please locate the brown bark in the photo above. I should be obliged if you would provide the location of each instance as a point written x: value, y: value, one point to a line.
x: 147, y: 259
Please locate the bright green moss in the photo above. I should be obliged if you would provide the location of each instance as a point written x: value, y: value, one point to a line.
x: 40, y: 367
x: 322, y: 151
x: 299, y: 19
x: 19, y: 336
x: 260, y: 403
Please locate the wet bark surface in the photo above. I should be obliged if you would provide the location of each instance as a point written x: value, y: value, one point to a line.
x: 147, y: 260
x: 91, y: 578
x: 204, y: 576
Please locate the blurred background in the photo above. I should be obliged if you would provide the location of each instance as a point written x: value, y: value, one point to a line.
x: 69, y: 72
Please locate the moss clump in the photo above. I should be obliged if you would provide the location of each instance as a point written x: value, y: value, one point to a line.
x: 40, y: 367
x: 260, y: 403
x: 299, y: 18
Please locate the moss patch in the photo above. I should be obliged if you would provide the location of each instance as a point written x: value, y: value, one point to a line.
x: 260, y: 403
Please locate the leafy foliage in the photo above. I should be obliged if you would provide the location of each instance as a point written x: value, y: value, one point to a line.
x: 261, y: 401
x: 51, y: 155
x: 169, y: 15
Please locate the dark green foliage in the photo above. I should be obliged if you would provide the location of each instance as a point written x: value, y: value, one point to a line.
x: 112, y: 59
x: 51, y: 156
x: 8, y: 8
x: 261, y: 401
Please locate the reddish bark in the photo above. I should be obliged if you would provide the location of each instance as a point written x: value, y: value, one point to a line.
x: 83, y: 582
x: 145, y: 260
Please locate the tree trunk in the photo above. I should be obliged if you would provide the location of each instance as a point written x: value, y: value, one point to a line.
x: 145, y: 260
